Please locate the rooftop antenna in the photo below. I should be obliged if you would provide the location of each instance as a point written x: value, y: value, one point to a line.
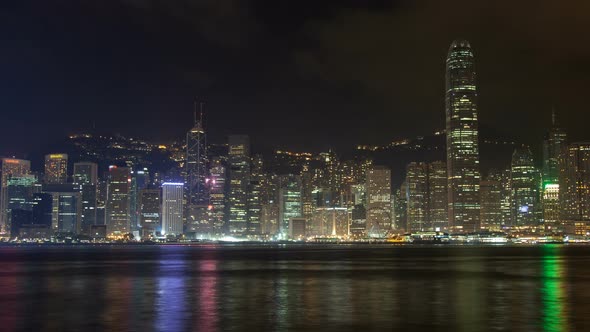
x: 195, y: 111
x: 553, y: 116
x: 201, y: 104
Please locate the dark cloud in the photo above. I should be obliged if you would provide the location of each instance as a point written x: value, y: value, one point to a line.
x: 225, y: 22
x: 307, y: 74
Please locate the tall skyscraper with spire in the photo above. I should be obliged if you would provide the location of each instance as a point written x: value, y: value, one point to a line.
x: 196, y: 162
x: 462, y: 138
x: 554, y: 145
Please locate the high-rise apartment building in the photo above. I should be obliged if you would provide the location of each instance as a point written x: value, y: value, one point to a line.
x: 462, y: 138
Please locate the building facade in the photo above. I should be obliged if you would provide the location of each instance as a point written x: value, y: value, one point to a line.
x: 196, y: 165
x: 574, y: 183
x: 525, y: 188
x: 118, y: 208
x: 491, y: 202
x: 417, y: 196
x: 10, y: 168
x: 378, y: 188
x: 239, y: 182
x: 56, y: 168
x: 149, y: 212
x: 290, y: 203
x: 172, y: 208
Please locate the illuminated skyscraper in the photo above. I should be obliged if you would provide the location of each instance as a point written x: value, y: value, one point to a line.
x: 378, y: 201
x: 525, y: 188
x: 56, y: 168
x: 254, y: 195
x: 400, y: 208
x: 10, y: 167
x: 217, y: 194
x: 290, y: 204
x: 553, y: 145
x: 574, y: 183
x: 306, y: 193
x: 66, y: 207
x: 437, y: 195
x: 172, y: 208
x: 551, y: 207
x: 196, y: 164
x: 554, y: 142
x: 506, y: 207
x: 149, y: 212
x: 269, y: 219
x: 426, y: 196
x: 85, y: 173
x: 86, y: 177
x: 19, y: 197
x: 491, y: 202
x: 140, y: 179
x: 239, y: 182
x: 462, y: 138
x: 417, y: 196
x: 118, y: 212
x: 331, y: 177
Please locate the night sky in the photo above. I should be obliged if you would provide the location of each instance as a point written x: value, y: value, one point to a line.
x: 302, y: 74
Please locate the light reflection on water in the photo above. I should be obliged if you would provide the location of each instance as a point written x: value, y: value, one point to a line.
x: 334, y: 288
x: 554, y: 295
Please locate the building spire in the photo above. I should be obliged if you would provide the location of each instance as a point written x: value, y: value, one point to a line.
x: 201, y: 104
x: 195, y: 111
x: 198, y: 119
x: 553, y: 116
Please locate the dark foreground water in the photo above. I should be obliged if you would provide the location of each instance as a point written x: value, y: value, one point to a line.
x: 330, y: 288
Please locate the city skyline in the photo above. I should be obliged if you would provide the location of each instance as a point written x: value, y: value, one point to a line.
x: 266, y: 80
x: 251, y: 165
x: 214, y: 190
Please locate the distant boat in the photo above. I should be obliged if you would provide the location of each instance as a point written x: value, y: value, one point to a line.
x: 429, y: 238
